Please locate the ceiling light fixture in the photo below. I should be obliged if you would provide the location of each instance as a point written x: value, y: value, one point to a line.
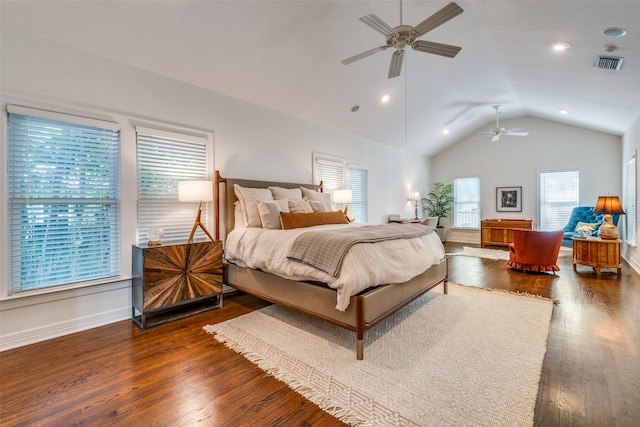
x: 614, y: 32
x: 560, y: 46
x: 384, y: 99
x: 445, y: 131
x: 564, y: 111
x: 355, y: 108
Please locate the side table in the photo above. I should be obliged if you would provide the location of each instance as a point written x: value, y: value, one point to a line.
x: 597, y: 253
x: 174, y: 281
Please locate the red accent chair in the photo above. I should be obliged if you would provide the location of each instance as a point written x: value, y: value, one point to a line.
x: 535, y: 250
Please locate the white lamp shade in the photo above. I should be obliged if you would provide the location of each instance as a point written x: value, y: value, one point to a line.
x: 195, y: 191
x: 414, y: 196
x: 342, y: 196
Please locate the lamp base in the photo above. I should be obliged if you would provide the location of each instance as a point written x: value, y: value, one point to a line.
x: 197, y: 224
x: 607, y: 230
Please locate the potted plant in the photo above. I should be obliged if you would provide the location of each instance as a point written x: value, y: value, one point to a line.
x: 439, y: 202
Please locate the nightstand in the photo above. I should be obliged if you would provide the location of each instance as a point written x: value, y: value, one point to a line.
x: 597, y: 253
x: 174, y: 281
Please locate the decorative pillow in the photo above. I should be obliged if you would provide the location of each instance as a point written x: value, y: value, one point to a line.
x: 316, y: 195
x: 270, y: 213
x: 594, y: 226
x: 299, y: 206
x: 300, y: 220
x: 248, y: 198
x: 431, y: 221
x: 240, y: 219
x: 286, y: 193
x: 318, y: 206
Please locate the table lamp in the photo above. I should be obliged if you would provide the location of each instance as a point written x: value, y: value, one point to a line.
x: 608, y: 205
x: 196, y: 191
x: 342, y: 197
x: 415, y: 197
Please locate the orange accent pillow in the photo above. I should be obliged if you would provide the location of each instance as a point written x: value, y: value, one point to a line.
x: 307, y: 219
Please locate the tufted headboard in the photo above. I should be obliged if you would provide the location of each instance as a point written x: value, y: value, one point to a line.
x: 224, y: 203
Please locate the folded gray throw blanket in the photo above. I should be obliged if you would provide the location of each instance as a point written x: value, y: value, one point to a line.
x: 326, y: 249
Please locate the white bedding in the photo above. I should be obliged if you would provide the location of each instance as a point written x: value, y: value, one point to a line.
x: 365, y: 265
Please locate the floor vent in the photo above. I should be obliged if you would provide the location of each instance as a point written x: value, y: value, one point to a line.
x: 609, y: 63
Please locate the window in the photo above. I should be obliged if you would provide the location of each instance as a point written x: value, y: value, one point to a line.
x: 63, y: 199
x: 630, y: 202
x: 466, y: 207
x: 337, y: 174
x: 559, y: 194
x: 163, y: 159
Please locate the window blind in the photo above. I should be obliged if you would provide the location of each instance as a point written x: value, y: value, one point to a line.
x: 357, y: 183
x: 336, y: 173
x: 466, y: 207
x: 63, y: 187
x: 163, y: 159
x: 559, y: 194
x: 630, y: 202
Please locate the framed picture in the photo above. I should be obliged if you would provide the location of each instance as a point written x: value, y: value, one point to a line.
x: 509, y: 199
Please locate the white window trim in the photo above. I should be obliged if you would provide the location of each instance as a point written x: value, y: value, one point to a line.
x: 127, y: 125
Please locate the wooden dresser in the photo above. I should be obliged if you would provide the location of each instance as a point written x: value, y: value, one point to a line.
x: 174, y: 281
x: 499, y: 232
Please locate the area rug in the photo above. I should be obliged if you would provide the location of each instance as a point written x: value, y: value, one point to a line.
x: 469, y: 358
x: 481, y: 253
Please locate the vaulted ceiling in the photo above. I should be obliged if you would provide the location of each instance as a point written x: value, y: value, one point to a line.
x: 286, y: 56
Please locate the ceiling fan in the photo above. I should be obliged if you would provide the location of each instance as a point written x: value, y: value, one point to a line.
x: 498, y: 131
x: 403, y: 35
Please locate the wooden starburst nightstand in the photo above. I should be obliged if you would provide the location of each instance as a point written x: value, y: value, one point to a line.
x: 174, y: 281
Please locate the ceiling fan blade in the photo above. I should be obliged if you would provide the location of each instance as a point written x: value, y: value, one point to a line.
x: 436, y: 48
x: 396, y: 63
x: 448, y: 12
x: 379, y: 25
x: 363, y: 55
x: 510, y: 133
x: 495, y: 138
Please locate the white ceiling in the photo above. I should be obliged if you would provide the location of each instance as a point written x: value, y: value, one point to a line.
x: 285, y: 55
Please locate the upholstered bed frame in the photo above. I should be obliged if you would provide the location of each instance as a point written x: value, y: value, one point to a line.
x: 365, y: 310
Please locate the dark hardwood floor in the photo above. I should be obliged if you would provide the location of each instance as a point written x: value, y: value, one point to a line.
x: 178, y: 375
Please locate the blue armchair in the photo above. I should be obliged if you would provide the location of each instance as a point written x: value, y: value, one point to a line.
x: 582, y: 214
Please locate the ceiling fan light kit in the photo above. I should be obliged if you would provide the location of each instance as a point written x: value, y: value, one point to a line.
x: 402, y: 35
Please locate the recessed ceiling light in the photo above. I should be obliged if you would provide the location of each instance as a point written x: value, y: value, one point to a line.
x: 614, y: 32
x: 355, y: 108
x: 564, y: 111
x: 445, y: 131
x: 560, y: 46
x: 384, y: 99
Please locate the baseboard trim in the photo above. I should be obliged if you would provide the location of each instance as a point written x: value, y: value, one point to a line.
x: 32, y: 336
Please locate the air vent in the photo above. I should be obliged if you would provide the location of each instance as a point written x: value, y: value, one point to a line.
x: 609, y: 62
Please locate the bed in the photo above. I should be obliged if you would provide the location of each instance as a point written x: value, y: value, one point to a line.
x: 309, y: 291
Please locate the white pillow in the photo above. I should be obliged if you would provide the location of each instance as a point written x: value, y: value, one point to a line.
x: 240, y: 219
x: 286, y: 193
x: 248, y: 198
x: 270, y: 213
x: 316, y: 195
x: 318, y: 206
x: 299, y: 206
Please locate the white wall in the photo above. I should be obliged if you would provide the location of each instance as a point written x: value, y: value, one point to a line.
x: 250, y: 142
x: 515, y: 162
x: 630, y: 147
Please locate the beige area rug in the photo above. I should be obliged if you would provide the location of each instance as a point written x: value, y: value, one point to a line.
x: 469, y: 358
x: 481, y: 253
